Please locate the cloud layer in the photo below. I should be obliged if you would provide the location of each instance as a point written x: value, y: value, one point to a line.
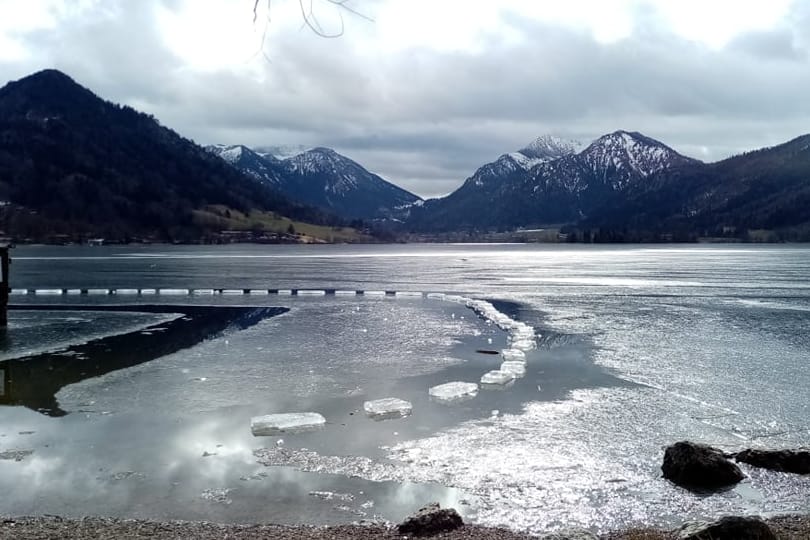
x: 425, y: 111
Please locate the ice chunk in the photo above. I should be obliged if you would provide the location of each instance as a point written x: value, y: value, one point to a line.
x: 374, y: 293
x: 233, y: 291
x: 203, y: 291
x: 408, y: 294
x: 518, y: 369
x: 497, y: 377
x: 382, y: 409
x: 98, y: 291
x: 47, y: 292
x: 436, y: 296
x: 273, y: 424
x: 513, y: 355
x: 524, y: 344
x: 127, y: 292
x: 20, y: 292
x: 173, y: 292
x: 311, y: 292
x: 345, y: 293
x: 453, y: 392
x: 258, y: 292
x: 148, y: 291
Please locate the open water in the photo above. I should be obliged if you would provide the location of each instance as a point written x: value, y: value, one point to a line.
x: 638, y: 347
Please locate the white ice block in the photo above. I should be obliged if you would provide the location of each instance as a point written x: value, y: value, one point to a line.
x: 47, y: 292
x: 126, y: 291
x: 382, y: 409
x: 258, y: 292
x: 203, y: 292
x: 345, y: 293
x: 374, y: 293
x: 98, y: 291
x: 436, y: 296
x: 513, y: 355
x: 233, y: 291
x: 273, y: 424
x: 174, y: 292
x: 311, y: 292
x: 19, y: 292
x: 518, y: 369
x: 453, y: 392
x: 497, y: 377
x: 285, y: 292
x: 148, y: 291
x: 408, y: 294
x: 74, y: 291
x: 524, y: 344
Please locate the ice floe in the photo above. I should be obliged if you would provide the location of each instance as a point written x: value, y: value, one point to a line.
x: 518, y: 369
x: 513, y: 355
x: 497, y: 378
x: 453, y: 392
x: 273, y: 424
x: 383, y: 409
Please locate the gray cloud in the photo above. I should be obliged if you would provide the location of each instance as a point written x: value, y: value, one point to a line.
x: 427, y: 119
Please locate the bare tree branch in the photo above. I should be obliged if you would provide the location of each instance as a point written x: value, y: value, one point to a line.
x: 310, y: 20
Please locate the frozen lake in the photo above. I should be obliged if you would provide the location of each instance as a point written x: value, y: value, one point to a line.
x: 636, y: 348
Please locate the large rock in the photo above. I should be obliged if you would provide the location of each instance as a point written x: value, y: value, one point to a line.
x: 429, y: 520
x: 791, y: 461
x: 699, y: 467
x: 728, y: 528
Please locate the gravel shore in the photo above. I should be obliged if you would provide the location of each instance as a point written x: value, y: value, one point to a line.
x: 791, y: 527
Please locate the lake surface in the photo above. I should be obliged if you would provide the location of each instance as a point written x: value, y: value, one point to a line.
x: 638, y: 347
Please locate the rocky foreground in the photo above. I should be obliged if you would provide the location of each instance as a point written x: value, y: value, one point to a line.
x: 52, y: 527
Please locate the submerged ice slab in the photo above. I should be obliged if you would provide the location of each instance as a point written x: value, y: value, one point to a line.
x: 273, y: 424
x: 382, y: 409
x: 453, y: 392
x: 497, y: 377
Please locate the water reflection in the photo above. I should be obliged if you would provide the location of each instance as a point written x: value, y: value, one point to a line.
x: 34, y: 381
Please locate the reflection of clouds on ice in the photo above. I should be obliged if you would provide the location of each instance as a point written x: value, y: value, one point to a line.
x: 288, y: 357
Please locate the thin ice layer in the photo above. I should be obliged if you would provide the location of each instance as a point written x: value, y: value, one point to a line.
x: 382, y: 409
x: 273, y: 424
x: 453, y: 391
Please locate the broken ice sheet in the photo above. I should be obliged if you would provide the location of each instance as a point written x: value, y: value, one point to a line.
x: 383, y: 409
x: 453, y: 392
x: 273, y: 424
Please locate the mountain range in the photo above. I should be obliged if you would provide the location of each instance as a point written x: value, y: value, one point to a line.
x: 323, y: 178
x: 635, y: 188
x: 73, y: 164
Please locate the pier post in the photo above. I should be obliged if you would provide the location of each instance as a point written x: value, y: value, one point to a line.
x: 5, y: 261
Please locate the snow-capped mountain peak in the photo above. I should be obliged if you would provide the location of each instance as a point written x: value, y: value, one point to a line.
x: 320, y: 177
x: 625, y: 155
x: 255, y: 165
x: 551, y: 147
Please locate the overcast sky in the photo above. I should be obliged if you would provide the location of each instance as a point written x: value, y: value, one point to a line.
x: 423, y: 92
